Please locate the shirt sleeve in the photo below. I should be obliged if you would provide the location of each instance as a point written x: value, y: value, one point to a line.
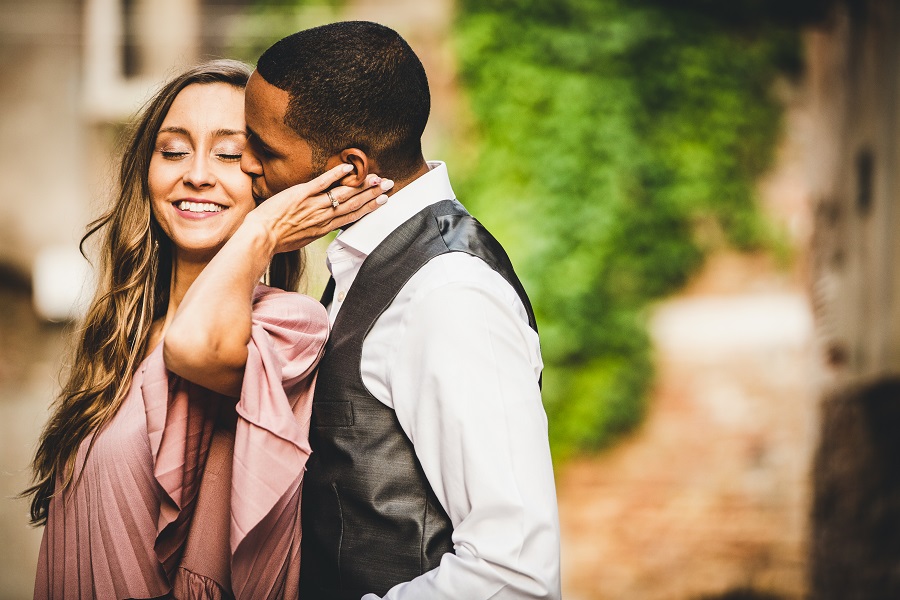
x: 464, y: 385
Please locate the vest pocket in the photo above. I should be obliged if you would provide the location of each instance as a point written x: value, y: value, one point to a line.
x: 332, y: 414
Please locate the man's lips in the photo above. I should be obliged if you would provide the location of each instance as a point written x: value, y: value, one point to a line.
x: 259, y: 196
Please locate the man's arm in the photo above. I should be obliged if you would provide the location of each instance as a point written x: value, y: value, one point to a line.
x: 465, y: 388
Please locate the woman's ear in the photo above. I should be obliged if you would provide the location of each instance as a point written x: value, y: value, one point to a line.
x: 360, y: 162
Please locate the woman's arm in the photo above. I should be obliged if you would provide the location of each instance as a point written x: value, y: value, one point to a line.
x: 206, y: 342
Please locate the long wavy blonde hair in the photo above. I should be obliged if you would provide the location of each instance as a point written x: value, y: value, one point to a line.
x: 135, y: 271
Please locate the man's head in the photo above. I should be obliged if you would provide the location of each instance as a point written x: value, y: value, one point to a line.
x: 345, y: 92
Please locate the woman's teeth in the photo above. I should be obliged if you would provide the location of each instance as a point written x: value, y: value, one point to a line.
x: 198, y: 207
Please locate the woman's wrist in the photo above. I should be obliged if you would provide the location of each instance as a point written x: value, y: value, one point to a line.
x: 258, y: 240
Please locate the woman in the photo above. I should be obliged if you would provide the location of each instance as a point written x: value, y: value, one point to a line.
x: 172, y: 463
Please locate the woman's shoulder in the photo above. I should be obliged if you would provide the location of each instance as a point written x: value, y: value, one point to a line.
x: 270, y: 302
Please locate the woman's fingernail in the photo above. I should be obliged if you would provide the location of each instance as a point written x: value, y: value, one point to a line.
x: 386, y: 184
x: 381, y: 199
x: 347, y: 167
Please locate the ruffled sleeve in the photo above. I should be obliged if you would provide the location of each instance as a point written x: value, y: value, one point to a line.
x: 271, y: 445
x: 272, y: 437
x: 181, y: 418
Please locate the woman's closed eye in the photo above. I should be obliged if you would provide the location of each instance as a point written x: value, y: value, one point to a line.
x: 229, y: 149
x: 173, y: 154
x: 174, y: 149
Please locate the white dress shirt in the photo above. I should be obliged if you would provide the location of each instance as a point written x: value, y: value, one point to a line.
x: 455, y: 358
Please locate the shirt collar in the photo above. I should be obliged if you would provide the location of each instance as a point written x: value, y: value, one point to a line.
x: 368, y: 232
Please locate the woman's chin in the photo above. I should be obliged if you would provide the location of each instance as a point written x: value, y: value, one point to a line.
x: 198, y: 250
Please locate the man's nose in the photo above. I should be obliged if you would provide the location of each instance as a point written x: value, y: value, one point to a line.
x: 250, y: 163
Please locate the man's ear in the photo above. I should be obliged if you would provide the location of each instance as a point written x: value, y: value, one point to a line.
x: 360, y: 162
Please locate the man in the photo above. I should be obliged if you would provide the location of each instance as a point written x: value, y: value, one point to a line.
x: 430, y: 475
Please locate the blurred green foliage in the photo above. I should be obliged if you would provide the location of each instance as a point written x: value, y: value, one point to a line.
x: 614, y: 145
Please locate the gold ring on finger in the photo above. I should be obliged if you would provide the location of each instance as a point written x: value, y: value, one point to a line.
x: 334, y: 201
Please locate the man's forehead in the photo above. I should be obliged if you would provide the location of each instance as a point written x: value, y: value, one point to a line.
x: 264, y: 99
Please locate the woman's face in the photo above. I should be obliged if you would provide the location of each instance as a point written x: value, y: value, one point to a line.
x: 198, y: 192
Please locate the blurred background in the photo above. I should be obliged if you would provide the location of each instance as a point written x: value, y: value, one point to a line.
x: 699, y: 196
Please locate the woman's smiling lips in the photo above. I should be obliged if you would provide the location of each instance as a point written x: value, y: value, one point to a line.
x: 197, y: 208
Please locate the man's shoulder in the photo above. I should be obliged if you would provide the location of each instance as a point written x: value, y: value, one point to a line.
x: 457, y: 267
x: 460, y: 271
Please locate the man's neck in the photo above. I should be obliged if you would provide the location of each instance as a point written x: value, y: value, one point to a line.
x: 400, y: 184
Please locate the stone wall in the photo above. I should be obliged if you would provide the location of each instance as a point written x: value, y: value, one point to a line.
x: 852, y: 167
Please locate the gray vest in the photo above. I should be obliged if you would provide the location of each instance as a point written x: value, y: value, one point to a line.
x: 370, y: 518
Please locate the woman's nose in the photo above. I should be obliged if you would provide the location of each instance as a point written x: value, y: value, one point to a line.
x: 200, y: 173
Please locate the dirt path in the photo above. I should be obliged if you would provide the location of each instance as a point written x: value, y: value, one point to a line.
x: 710, y: 494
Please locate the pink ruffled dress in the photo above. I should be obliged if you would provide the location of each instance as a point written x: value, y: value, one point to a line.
x: 182, y: 498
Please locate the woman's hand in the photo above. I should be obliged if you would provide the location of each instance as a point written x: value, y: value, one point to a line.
x: 206, y: 341
x: 305, y: 212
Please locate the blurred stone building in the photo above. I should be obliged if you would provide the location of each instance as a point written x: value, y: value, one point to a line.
x: 854, y: 171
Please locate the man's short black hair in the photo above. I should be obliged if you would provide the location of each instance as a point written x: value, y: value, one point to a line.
x: 353, y: 84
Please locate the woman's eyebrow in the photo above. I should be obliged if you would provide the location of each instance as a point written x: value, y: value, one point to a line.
x: 171, y: 129
x: 217, y: 133
x: 227, y: 132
